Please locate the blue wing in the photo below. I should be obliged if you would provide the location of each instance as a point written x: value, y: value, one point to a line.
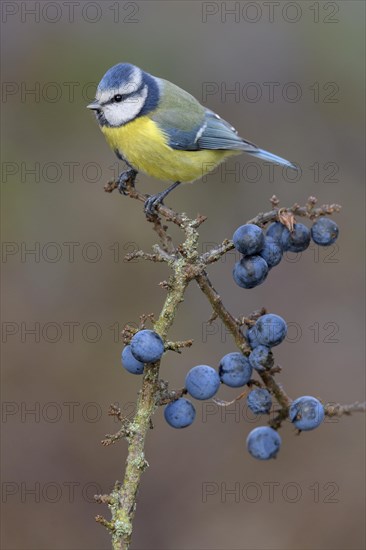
x: 216, y: 133
x: 205, y: 130
x: 188, y: 126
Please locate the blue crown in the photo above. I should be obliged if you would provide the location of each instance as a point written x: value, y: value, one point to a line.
x: 115, y: 76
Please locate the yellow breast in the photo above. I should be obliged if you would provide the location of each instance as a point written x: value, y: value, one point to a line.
x: 145, y: 147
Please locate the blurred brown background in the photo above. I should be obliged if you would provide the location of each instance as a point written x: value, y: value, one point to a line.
x: 76, y: 292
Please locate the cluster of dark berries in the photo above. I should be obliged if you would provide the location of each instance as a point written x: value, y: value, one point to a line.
x: 261, y: 252
x: 235, y: 370
x: 306, y: 413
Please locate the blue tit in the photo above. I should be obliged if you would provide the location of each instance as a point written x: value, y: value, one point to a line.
x: 162, y: 130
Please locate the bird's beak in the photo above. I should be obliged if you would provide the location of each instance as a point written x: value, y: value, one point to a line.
x: 93, y: 106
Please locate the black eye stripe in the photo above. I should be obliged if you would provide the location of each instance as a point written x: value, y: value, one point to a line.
x: 122, y: 97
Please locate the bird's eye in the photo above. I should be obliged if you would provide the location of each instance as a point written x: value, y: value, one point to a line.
x: 117, y: 98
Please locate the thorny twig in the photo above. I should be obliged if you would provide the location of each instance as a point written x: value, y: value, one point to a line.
x: 188, y: 265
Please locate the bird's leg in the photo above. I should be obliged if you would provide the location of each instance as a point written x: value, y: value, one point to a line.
x: 154, y: 200
x: 124, y: 177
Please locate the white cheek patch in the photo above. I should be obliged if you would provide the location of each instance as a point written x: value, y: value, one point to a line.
x: 118, y: 114
x: 132, y: 85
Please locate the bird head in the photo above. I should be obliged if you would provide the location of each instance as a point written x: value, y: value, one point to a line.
x: 124, y: 93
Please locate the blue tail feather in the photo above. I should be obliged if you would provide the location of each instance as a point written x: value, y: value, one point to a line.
x: 266, y: 155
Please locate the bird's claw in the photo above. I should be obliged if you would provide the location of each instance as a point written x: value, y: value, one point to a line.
x: 129, y: 177
x: 151, y: 203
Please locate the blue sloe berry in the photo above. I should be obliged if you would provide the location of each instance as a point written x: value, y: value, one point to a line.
x: 147, y: 346
x: 259, y: 401
x: 250, y: 271
x: 248, y: 239
x: 324, y: 231
x: 306, y: 413
x: 235, y: 370
x: 202, y: 382
x: 271, y: 252
x: 130, y: 363
x: 297, y: 240
x: 259, y: 357
x: 251, y: 337
x: 275, y: 231
x: 270, y: 330
x: 180, y: 413
x: 263, y: 443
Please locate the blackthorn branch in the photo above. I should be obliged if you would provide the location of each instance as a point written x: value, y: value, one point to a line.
x: 145, y: 347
